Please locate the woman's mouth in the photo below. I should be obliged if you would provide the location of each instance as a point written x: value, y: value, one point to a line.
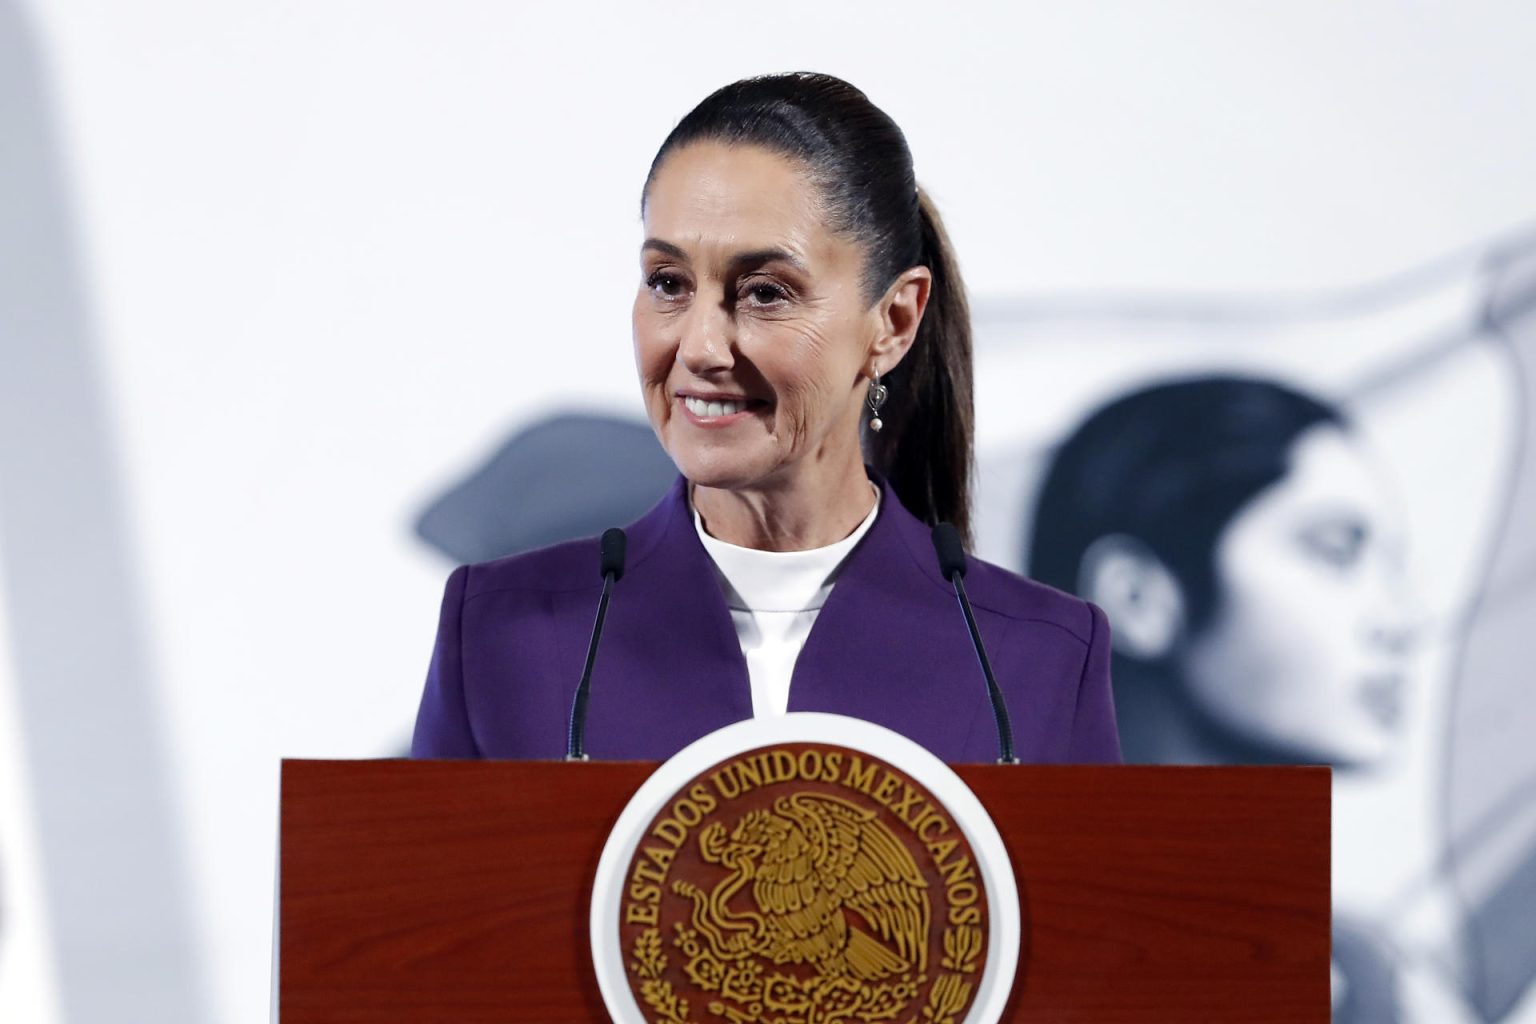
x: 712, y: 409
x: 714, y: 412
x: 1382, y: 696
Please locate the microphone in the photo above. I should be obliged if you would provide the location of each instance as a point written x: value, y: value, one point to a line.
x: 611, y: 565
x: 946, y: 544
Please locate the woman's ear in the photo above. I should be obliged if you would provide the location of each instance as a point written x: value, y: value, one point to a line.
x: 900, y: 312
x: 1139, y: 594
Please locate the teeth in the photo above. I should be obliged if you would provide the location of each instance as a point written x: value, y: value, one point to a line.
x: 709, y: 410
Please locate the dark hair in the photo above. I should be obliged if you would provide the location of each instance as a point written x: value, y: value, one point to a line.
x: 1169, y: 465
x: 861, y: 166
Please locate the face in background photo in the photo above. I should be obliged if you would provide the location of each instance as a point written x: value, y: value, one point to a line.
x: 1245, y: 549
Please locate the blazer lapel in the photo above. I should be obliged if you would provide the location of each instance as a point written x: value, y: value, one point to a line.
x: 890, y: 647
x: 670, y: 668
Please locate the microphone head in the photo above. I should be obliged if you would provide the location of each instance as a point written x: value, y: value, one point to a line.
x: 946, y: 544
x: 612, y: 546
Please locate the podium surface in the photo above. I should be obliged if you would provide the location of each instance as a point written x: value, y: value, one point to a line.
x: 425, y: 891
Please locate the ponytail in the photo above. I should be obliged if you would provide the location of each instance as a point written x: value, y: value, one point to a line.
x: 925, y: 448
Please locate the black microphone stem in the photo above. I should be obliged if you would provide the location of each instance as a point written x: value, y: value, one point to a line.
x: 575, y: 748
x: 611, y: 548
x: 1005, y: 753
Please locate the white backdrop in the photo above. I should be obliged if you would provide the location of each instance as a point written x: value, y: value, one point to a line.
x: 332, y: 251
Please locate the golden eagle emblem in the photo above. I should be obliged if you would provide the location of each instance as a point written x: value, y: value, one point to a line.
x: 831, y: 886
x: 804, y: 884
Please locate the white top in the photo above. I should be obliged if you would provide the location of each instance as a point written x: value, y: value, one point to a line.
x: 774, y: 597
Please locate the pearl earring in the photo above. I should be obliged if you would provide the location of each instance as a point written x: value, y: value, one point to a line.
x: 877, y: 396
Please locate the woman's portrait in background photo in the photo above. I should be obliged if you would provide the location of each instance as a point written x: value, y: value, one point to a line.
x: 803, y: 344
x: 1250, y: 550
x: 1248, y: 554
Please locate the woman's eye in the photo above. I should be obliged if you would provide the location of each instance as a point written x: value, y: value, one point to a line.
x: 1339, y: 544
x: 763, y: 293
x: 665, y: 285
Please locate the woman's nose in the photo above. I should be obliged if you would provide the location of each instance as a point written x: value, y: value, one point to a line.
x: 1398, y: 624
x: 704, y: 346
x: 1393, y: 637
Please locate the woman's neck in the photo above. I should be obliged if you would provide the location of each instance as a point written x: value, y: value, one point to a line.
x: 1160, y: 725
x: 798, y: 516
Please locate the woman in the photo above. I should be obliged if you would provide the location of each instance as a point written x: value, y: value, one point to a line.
x: 1247, y: 552
x: 792, y: 275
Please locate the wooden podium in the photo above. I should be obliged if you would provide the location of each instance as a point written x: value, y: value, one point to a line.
x: 421, y: 892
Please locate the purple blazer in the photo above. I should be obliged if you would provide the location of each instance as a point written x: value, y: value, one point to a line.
x: 889, y: 646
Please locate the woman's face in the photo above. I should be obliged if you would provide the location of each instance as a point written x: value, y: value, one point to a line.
x: 1307, y: 654
x: 752, y: 334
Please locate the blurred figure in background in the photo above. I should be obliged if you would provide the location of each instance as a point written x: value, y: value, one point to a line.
x: 1248, y: 553
x: 1244, y: 547
x: 568, y: 475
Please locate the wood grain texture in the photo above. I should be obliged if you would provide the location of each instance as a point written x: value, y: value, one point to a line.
x: 427, y: 891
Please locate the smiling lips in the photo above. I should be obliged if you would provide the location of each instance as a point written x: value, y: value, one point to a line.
x: 717, y: 411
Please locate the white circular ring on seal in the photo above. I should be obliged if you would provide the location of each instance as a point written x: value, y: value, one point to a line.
x: 608, y: 957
